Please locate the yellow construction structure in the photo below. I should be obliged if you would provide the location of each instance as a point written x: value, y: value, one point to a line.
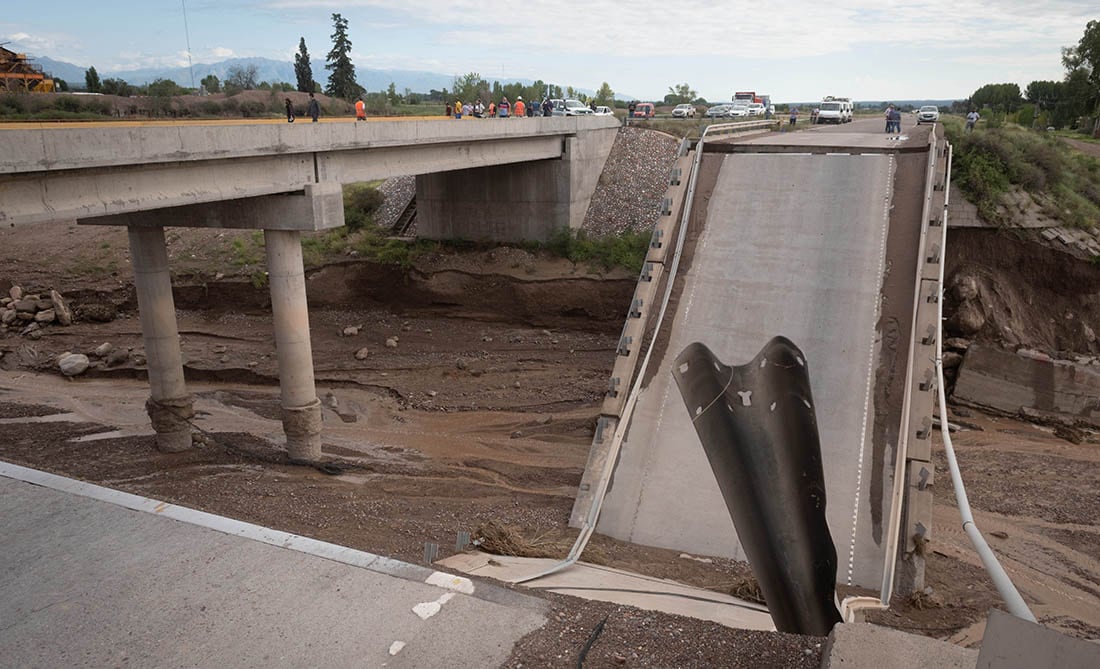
x: 18, y: 75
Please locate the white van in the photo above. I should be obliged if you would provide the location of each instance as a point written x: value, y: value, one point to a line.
x: 834, y: 110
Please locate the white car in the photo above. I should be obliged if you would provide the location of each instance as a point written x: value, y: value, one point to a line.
x: 683, y: 111
x: 577, y: 108
x: 756, y: 109
x: 737, y: 111
x: 928, y: 114
x: 604, y: 111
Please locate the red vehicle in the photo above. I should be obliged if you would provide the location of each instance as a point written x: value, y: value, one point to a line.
x: 643, y: 110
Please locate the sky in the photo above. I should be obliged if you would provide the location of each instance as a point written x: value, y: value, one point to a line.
x: 794, y: 50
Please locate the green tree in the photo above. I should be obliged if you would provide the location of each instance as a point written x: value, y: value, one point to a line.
x: 999, y: 97
x: 241, y: 77
x: 91, y: 80
x: 341, y: 81
x: 116, y: 87
x: 303, y: 71
x: 211, y: 84
x: 165, y: 88
x: 471, y: 86
x: 60, y: 84
x: 680, y: 94
x: 1082, y: 63
x: 392, y: 94
x: 605, y: 96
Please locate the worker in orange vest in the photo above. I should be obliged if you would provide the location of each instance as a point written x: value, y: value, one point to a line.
x: 519, y: 109
x: 360, y: 110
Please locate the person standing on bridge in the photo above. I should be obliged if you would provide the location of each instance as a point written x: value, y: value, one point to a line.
x: 520, y: 109
x: 289, y: 111
x: 794, y: 116
x: 503, y: 107
x: 314, y: 109
x: 360, y: 109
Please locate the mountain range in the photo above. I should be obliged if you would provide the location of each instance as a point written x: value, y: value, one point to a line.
x: 267, y: 69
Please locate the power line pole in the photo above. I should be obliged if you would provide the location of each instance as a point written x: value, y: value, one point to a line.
x: 187, y: 35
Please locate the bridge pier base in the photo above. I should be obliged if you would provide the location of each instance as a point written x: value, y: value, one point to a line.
x: 290, y: 311
x: 169, y: 405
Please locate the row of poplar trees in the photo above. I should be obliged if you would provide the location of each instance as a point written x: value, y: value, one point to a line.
x: 341, y: 78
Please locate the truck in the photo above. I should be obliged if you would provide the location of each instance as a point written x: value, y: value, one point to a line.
x: 749, y: 97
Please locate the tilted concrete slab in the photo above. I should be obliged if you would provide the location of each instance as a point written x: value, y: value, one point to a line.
x: 99, y: 578
x: 794, y: 246
x: 606, y: 584
x: 1009, y: 381
x: 1013, y: 643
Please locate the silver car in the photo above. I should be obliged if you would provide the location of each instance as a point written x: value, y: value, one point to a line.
x: 928, y: 114
x: 683, y: 111
x: 718, y: 111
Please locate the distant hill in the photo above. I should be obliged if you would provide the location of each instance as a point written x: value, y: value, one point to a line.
x: 266, y: 70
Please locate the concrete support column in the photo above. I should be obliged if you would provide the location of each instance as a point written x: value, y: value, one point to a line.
x: 169, y: 405
x: 301, y: 408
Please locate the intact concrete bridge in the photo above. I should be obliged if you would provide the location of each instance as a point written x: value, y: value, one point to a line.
x: 500, y: 179
x: 831, y: 238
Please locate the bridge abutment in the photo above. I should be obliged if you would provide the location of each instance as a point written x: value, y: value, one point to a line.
x: 517, y: 201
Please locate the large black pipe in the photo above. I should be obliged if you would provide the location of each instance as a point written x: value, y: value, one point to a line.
x: 758, y: 427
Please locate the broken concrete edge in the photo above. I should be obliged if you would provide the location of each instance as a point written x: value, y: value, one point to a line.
x: 864, y: 646
x: 322, y: 549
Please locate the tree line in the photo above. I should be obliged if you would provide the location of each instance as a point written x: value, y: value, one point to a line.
x: 1059, y: 104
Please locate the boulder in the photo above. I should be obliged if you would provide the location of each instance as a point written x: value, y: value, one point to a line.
x: 968, y: 319
x: 117, y: 357
x: 103, y: 349
x: 61, y: 308
x: 73, y: 364
x: 951, y: 360
x: 8, y: 316
x: 42, y: 305
x: 391, y: 342
x: 16, y: 293
x: 26, y: 306
x: 362, y: 353
x: 350, y: 331
x: 45, y: 316
x: 964, y: 287
x: 956, y: 343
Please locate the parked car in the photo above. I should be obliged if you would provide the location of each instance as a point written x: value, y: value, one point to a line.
x: 718, y: 111
x: 683, y: 111
x: 577, y: 108
x: 643, y: 110
x: 737, y: 111
x: 603, y: 111
x: 928, y: 114
x: 756, y: 109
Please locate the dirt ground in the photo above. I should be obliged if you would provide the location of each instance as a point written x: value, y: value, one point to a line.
x: 484, y: 411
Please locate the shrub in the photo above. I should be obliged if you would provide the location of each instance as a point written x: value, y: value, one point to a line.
x: 361, y: 201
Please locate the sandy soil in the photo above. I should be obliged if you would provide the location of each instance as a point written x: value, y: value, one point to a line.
x: 484, y: 411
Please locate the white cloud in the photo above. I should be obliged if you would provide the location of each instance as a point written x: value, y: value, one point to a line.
x: 221, y: 52
x: 737, y: 28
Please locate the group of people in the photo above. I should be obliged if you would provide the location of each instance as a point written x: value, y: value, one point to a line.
x: 504, y: 109
x: 313, y: 109
x: 893, y: 119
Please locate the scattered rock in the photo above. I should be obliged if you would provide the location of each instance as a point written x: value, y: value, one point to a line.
x: 253, y: 364
x: 999, y: 534
x: 956, y: 343
x: 350, y: 331
x: 391, y: 342
x: 117, y: 356
x: 362, y: 353
x: 1071, y: 434
x: 73, y: 364
x: 951, y: 360
x: 461, y: 364
x: 516, y: 435
x: 219, y: 348
x: 97, y: 312
x: 103, y: 349
x: 8, y: 316
x: 432, y: 393
x: 962, y: 412
x: 516, y: 384
x: 219, y: 276
x: 16, y: 293
x: 45, y: 316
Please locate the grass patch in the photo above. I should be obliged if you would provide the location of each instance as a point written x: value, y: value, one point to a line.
x: 988, y: 164
x: 627, y: 250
